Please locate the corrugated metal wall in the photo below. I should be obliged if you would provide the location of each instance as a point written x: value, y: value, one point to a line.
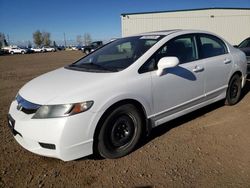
x: 231, y: 24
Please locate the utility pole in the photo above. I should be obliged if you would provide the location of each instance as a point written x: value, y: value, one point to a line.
x: 8, y: 39
x: 64, y: 40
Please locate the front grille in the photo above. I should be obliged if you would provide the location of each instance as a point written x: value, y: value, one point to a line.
x: 28, y: 111
x: 11, y: 124
x: 26, y: 106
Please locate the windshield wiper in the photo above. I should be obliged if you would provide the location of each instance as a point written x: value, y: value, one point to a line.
x: 94, y: 66
x: 104, y: 68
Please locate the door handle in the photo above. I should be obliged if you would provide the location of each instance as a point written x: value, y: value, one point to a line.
x: 198, y: 68
x: 226, y: 61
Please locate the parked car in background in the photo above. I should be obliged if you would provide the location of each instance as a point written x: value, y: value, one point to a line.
x: 93, y: 46
x: 48, y: 49
x: 79, y: 47
x: 245, y: 47
x: 17, y: 50
x: 37, y: 49
x: 104, y: 102
x: 1, y: 52
x: 29, y: 50
x: 75, y: 48
x: 60, y: 48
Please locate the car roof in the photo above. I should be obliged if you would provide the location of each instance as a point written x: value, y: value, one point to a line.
x: 167, y: 32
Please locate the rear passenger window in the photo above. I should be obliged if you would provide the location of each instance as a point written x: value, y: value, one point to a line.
x: 211, y: 46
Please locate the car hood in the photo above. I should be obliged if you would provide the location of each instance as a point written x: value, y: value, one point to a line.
x: 64, y: 86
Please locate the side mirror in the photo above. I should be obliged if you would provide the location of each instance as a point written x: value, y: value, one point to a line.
x: 166, y: 62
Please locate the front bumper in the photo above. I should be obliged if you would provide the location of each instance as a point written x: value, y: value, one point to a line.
x: 70, y: 137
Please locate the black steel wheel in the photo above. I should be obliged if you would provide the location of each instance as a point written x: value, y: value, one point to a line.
x: 120, y: 132
x: 234, y: 90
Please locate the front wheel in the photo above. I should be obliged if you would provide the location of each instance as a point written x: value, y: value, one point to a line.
x: 120, y: 132
x: 233, y: 90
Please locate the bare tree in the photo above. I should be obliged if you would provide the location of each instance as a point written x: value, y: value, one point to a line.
x: 79, y: 40
x: 54, y: 44
x: 87, y: 39
x: 46, y: 38
x: 37, y: 38
x: 29, y: 44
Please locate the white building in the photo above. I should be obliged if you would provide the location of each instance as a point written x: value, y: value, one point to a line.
x: 233, y: 24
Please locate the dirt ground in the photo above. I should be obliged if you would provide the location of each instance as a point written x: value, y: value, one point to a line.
x: 207, y: 148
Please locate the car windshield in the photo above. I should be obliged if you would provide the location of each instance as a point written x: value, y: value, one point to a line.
x: 117, y: 55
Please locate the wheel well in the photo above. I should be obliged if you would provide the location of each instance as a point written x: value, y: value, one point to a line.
x: 237, y: 72
x: 146, y: 124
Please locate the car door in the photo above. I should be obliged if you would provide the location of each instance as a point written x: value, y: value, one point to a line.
x: 217, y: 64
x: 180, y: 87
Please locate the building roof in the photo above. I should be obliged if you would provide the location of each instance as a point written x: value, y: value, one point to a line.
x: 215, y: 8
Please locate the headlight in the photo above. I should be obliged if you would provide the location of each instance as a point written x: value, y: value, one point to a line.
x: 54, y: 111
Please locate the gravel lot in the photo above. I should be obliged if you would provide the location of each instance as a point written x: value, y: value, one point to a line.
x: 207, y: 148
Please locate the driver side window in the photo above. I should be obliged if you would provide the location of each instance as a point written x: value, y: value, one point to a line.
x: 182, y: 47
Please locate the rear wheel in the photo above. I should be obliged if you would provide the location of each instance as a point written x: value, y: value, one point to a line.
x: 120, y: 132
x: 22, y: 52
x: 233, y: 90
x: 11, y: 53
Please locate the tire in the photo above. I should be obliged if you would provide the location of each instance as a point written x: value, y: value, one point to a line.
x: 22, y: 52
x: 12, y: 53
x: 120, y: 132
x: 233, y: 90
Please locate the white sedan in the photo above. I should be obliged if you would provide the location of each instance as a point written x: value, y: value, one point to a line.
x: 37, y: 49
x: 48, y: 49
x: 104, y: 102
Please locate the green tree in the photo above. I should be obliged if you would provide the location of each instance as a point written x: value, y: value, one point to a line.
x: 38, y: 38
x: 3, y: 41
